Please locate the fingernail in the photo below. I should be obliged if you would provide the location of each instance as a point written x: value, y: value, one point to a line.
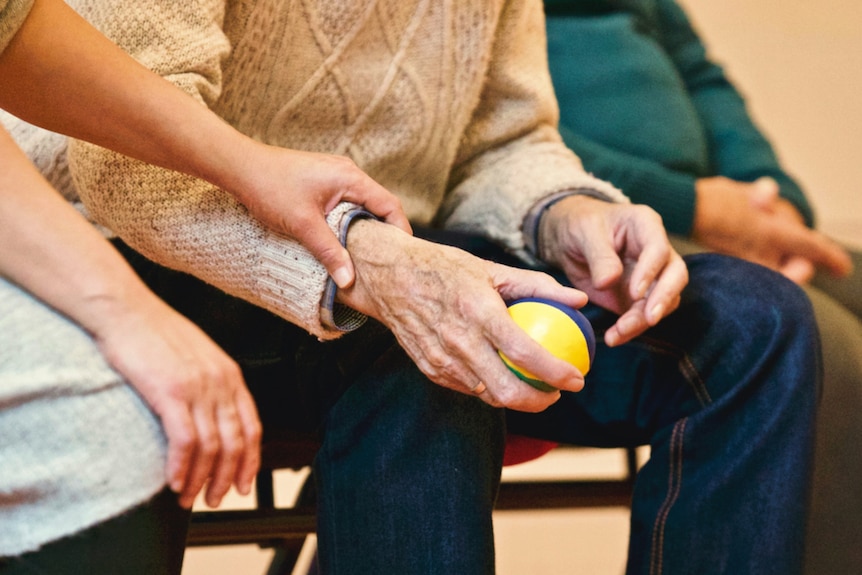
x: 656, y: 313
x: 642, y: 288
x: 342, y: 277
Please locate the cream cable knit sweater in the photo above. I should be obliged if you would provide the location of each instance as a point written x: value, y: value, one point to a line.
x: 446, y: 103
x: 397, y: 85
x: 12, y: 15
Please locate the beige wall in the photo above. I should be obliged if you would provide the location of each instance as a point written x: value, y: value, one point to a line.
x: 799, y: 64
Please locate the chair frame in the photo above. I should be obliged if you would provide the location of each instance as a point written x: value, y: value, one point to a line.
x: 287, y: 528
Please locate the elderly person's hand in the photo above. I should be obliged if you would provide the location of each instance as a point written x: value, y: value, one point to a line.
x: 447, y: 309
x: 619, y: 254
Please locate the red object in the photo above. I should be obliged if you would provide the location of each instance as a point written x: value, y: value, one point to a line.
x: 520, y: 449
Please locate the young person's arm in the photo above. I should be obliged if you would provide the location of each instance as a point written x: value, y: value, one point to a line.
x: 196, y: 390
x: 70, y: 79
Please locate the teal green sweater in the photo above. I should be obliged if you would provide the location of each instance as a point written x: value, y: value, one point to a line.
x: 644, y: 107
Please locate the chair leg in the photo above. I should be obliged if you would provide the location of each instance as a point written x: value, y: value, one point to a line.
x: 287, y: 554
x: 631, y: 462
x: 313, y: 569
x: 285, y: 558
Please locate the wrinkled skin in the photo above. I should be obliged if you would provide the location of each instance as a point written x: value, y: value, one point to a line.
x: 447, y: 308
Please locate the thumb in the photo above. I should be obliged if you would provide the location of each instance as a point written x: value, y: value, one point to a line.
x: 325, y: 247
x: 798, y: 269
x: 764, y: 193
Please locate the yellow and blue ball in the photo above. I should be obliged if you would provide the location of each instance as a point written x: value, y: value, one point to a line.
x: 562, y: 330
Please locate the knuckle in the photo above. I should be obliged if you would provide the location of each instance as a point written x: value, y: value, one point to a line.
x: 178, y: 386
x: 437, y: 359
x: 232, y: 447
x: 224, y: 372
x: 184, y: 438
x: 507, y: 397
x: 346, y: 163
x: 330, y: 252
x: 254, y: 432
x: 300, y: 220
x: 231, y: 368
x: 209, y: 444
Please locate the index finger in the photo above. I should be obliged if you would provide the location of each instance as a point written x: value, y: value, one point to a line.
x: 659, y: 275
x: 530, y: 361
x: 820, y: 250
x: 664, y: 296
x: 502, y: 386
x: 380, y: 202
x: 182, y: 438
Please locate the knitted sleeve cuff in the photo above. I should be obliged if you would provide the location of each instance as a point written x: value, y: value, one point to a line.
x: 334, y: 315
x: 290, y: 282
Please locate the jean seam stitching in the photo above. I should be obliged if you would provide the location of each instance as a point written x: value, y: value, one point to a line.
x: 674, y: 487
x: 686, y: 367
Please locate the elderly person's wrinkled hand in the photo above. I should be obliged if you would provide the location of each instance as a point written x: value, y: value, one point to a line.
x: 620, y: 255
x: 447, y: 309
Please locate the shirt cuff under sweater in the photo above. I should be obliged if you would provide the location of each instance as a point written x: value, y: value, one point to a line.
x: 530, y: 228
x: 333, y: 314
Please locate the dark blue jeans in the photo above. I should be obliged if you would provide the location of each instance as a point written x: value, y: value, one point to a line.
x: 724, y: 391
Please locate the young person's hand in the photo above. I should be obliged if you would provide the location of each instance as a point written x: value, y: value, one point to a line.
x: 137, y: 113
x: 195, y: 389
x: 291, y: 192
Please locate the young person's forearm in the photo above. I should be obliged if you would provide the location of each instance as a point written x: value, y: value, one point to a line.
x: 67, y: 75
x: 53, y: 252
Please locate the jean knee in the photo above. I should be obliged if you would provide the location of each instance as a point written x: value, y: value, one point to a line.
x: 747, y: 293
x: 749, y: 320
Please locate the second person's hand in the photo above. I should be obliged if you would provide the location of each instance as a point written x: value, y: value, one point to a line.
x: 750, y: 220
